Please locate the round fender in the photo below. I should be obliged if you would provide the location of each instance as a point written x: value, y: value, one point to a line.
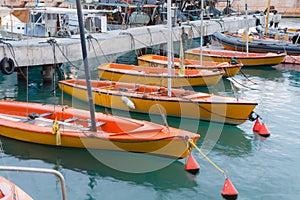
x: 7, y: 66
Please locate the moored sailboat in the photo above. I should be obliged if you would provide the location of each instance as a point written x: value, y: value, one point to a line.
x: 158, y: 76
x: 154, y: 99
x: 228, y: 67
x: 249, y: 59
x: 69, y: 127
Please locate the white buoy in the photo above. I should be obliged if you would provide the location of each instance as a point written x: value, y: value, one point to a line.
x: 128, y: 102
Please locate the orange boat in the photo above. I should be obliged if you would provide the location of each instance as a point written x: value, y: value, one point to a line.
x: 152, y: 60
x: 248, y: 60
x: 155, y: 100
x: 10, y: 191
x: 158, y: 76
x: 69, y: 127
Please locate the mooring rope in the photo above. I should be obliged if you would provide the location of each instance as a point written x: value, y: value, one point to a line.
x: 64, y: 55
x: 247, y: 77
x: 132, y: 41
x: 209, y: 160
x: 241, y: 84
x: 90, y: 37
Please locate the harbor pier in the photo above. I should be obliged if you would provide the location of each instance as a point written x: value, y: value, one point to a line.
x: 46, y: 51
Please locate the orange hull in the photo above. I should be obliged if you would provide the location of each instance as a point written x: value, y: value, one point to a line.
x: 113, y: 133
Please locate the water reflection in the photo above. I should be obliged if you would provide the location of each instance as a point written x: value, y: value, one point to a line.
x: 291, y: 72
x: 37, y: 92
x: 9, y: 87
x: 80, y: 160
x: 268, y: 73
x: 294, y: 78
x: 288, y: 67
x: 232, y: 140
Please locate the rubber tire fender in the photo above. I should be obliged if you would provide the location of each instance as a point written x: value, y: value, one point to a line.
x: 7, y: 66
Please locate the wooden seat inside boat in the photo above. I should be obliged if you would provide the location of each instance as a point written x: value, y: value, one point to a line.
x: 196, y: 95
x: 124, y: 87
x: 71, y: 119
x: 150, y: 89
x: 102, y: 84
x: 38, y: 119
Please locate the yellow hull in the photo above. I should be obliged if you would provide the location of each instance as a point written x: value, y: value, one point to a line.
x: 158, y: 79
x: 247, y: 62
x: 220, y: 111
x: 229, y: 71
x: 168, y: 147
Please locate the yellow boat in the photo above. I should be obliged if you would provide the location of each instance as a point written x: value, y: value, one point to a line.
x: 248, y: 60
x: 154, y: 99
x: 158, y: 76
x: 69, y: 127
x: 151, y: 60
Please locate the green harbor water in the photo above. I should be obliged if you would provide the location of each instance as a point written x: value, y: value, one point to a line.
x: 259, y: 168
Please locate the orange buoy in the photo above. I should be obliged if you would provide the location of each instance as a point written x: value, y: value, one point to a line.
x: 191, y: 165
x: 257, y: 125
x: 264, y: 131
x: 229, y: 191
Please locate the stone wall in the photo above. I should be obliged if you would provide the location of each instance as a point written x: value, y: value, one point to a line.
x: 288, y: 8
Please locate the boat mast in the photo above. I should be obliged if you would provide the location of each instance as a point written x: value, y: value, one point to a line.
x: 181, y: 56
x: 267, y: 17
x: 169, y: 46
x: 247, y: 29
x: 86, y: 66
x: 201, y: 33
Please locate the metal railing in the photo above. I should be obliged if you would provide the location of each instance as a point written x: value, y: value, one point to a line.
x: 39, y: 170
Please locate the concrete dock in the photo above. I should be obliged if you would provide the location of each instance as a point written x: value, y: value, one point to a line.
x: 46, y: 51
